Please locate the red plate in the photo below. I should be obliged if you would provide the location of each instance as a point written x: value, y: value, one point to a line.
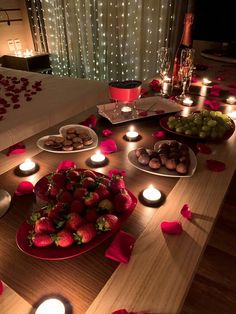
x: 56, y: 253
x: 228, y: 134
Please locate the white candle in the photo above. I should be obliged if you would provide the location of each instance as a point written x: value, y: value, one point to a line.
x: 187, y: 101
x: 151, y: 194
x: 232, y: 115
x: 131, y: 134
x: 205, y: 81
x: 51, y: 306
x: 97, y: 158
x: 126, y: 109
x: 231, y: 100
x: 27, y: 165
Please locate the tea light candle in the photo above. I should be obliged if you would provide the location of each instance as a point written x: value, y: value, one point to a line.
x: 166, y: 86
x: 132, y: 135
x: 98, y: 158
x: 232, y: 115
x: 187, y: 101
x: 126, y: 109
x: 205, y: 81
x: 51, y: 306
x: 28, y: 166
x: 231, y: 100
x: 151, y: 195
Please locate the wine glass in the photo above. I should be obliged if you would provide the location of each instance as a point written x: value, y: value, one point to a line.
x: 185, y: 70
x: 163, y: 61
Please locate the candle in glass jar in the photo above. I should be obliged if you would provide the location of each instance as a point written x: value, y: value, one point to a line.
x: 98, y: 158
x: 50, y: 306
x: 187, y: 101
x: 205, y: 81
x: 27, y: 166
x: 132, y: 135
x: 151, y: 195
x: 231, y: 100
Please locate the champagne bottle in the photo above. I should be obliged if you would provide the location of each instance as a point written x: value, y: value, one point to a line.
x: 186, y: 42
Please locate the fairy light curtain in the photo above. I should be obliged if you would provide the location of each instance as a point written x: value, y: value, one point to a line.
x: 106, y: 39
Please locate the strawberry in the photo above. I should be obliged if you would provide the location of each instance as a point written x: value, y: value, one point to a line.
x: 54, y: 190
x: 74, y: 220
x: 89, y: 173
x: 103, y: 180
x: 59, y: 180
x: 41, y: 239
x: 64, y: 238
x: 117, y: 182
x: 106, y: 222
x: 122, y: 201
x: 79, y: 193
x: 69, y: 186
x: 91, y: 214
x: 44, y: 225
x: 91, y: 199
x: 85, y: 233
x: 87, y: 182
x: 105, y: 206
x: 102, y: 191
x: 73, y: 175
x: 77, y: 206
x: 65, y: 197
x: 56, y: 211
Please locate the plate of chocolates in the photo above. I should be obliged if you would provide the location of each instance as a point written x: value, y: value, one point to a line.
x: 72, y: 138
x: 167, y: 158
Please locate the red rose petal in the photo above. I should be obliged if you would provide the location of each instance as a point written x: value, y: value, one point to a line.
x: 172, y: 227
x: 108, y: 146
x: 144, y: 91
x: 115, y: 171
x: 91, y: 121
x: 204, y: 149
x: 24, y: 188
x: 18, y: 148
x: 186, y: 212
x: 215, y: 165
x: 66, y: 164
x: 160, y: 135
x: 107, y: 132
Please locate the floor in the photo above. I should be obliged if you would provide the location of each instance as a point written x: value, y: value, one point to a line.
x: 213, y: 290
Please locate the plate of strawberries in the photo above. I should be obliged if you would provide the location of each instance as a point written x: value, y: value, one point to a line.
x: 83, y: 209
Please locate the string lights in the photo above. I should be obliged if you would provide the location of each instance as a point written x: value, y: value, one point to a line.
x: 104, y: 40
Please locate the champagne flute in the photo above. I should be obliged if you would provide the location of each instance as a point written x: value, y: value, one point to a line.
x: 163, y: 61
x: 186, y: 70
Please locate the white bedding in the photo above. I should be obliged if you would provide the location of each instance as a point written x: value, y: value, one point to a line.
x: 60, y: 99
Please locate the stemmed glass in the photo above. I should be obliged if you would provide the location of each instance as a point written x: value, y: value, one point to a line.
x: 186, y: 70
x: 163, y: 61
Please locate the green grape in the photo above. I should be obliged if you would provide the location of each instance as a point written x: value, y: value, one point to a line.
x: 188, y: 132
x: 171, y: 118
x: 202, y: 134
x: 179, y: 130
x: 212, y: 123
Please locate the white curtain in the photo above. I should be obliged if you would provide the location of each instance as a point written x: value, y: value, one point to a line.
x: 107, y: 39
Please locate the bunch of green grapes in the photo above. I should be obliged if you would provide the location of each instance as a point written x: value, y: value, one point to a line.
x: 204, y: 124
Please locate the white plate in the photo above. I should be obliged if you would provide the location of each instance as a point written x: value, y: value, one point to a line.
x: 163, y: 171
x: 62, y: 131
x: 153, y: 106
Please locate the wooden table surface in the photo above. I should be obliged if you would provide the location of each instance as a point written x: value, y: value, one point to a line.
x: 160, y: 271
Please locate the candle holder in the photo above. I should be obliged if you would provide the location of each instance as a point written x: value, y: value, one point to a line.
x: 52, y: 304
x: 97, y: 160
x: 151, y: 197
x: 187, y: 101
x: 27, y: 168
x: 132, y: 136
x: 126, y: 111
x: 206, y: 82
x: 231, y: 100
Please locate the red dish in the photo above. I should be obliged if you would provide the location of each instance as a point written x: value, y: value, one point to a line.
x: 228, y: 134
x: 56, y: 253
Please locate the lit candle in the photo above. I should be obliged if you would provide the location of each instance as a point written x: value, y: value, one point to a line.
x: 151, y: 195
x: 98, y: 158
x: 126, y: 109
x: 186, y: 112
x: 132, y: 135
x: 27, y: 166
x: 205, y: 81
x: 232, y: 115
x: 187, y: 101
x: 231, y: 100
x: 51, y: 306
x: 166, y: 86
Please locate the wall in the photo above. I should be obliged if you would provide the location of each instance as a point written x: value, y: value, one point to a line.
x: 19, y: 29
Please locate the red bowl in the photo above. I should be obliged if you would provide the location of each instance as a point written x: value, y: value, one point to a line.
x: 126, y: 91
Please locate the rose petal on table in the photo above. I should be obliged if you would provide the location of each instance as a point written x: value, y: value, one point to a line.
x: 194, y: 78
x: 24, y: 188
x: 160, y: 135
x: 115, y: 171
x: 155, y: 85
x: 18, y: 148
x: 121, y: 247
x: 172, y: 98
x: 1, y: 287
x: 108, y: 146
x: 107, y: 132
x: 204, y: 149
x: 171, y: 227
x: 215, y: 165
x: 91, y: 121
x: 186, y: 212
x: 66, y: 164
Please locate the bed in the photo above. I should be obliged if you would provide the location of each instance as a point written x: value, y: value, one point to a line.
x: 46, y: 101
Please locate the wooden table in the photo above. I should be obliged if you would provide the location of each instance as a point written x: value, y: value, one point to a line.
x: 160, y: 271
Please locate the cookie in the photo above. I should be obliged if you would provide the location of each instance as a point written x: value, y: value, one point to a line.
x: 78, y: 146
x: 77, y: 140
x: 67, y: 148
x: 71, y: 130
x: 67, y: 142
x: 48, y: 143
x: 70, y: 136
x: 59, y: 139
x: 88, y: 141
